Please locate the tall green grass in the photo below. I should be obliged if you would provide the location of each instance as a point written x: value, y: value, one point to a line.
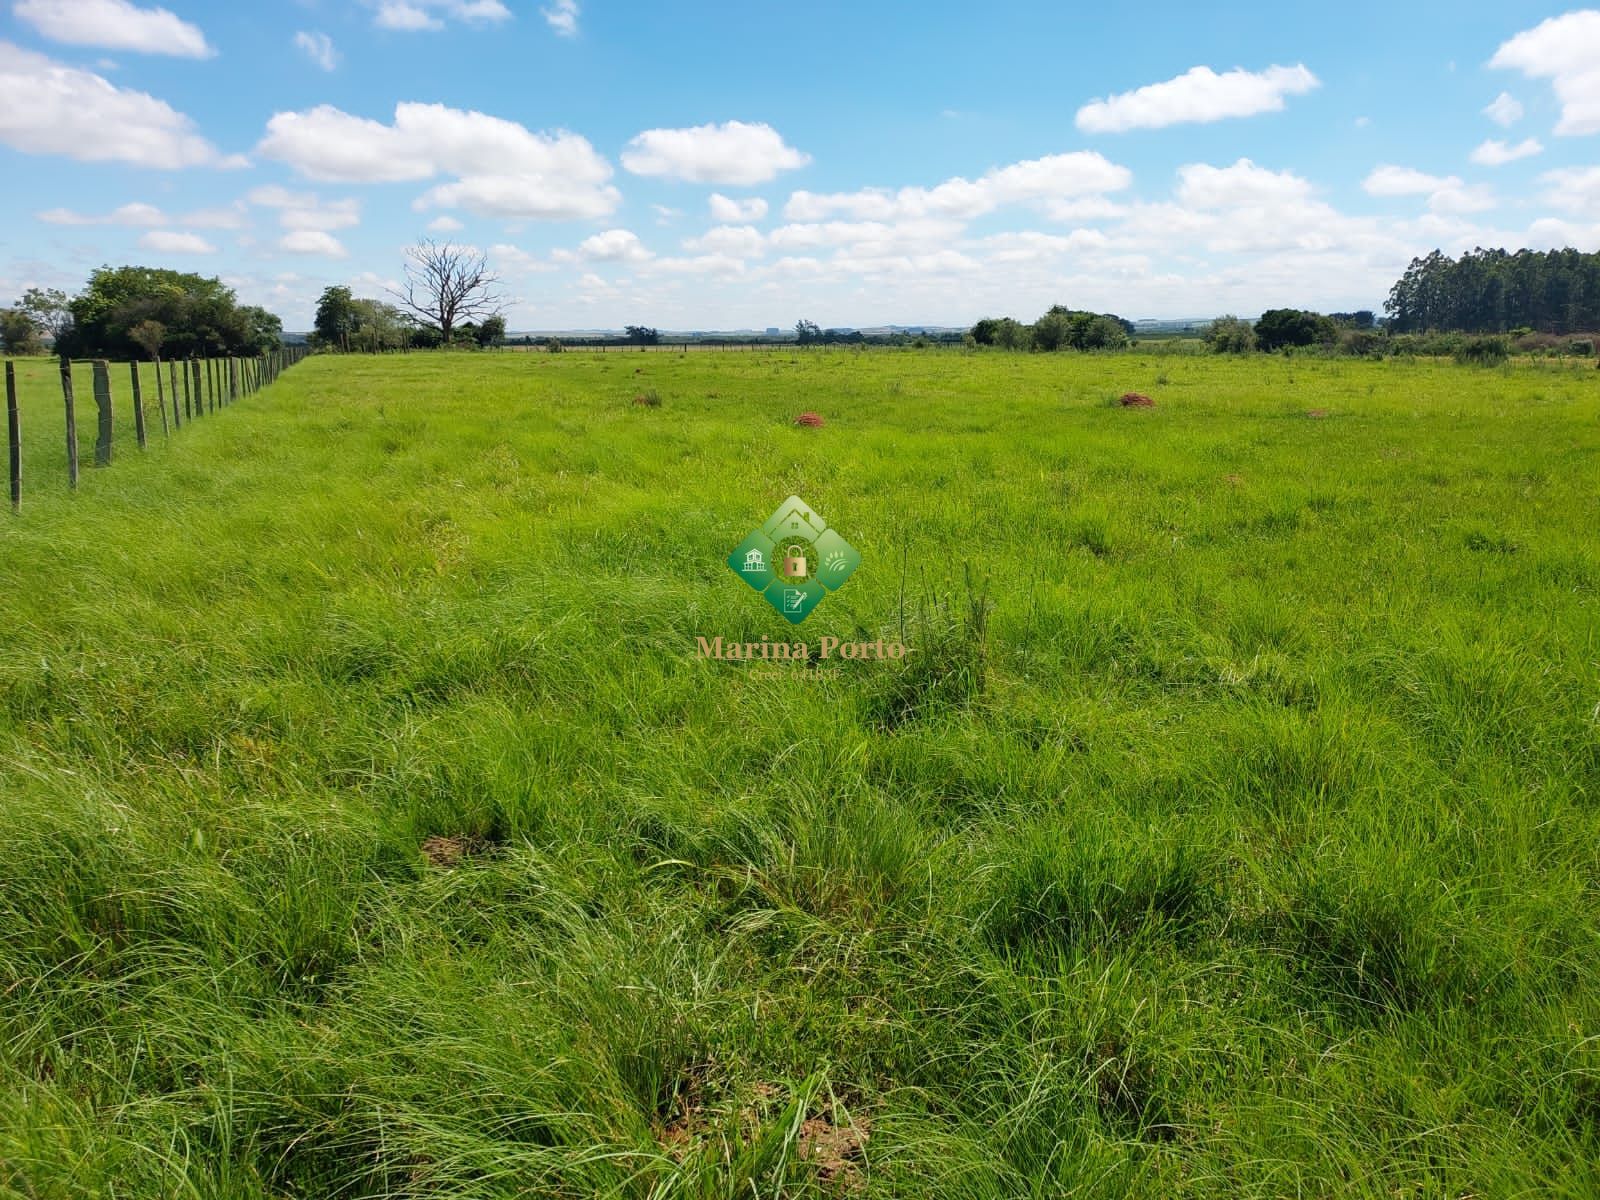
x: 1231, y: 829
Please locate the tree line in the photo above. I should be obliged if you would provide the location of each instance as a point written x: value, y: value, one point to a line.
x: 1495, y: 291
x: 129, y: 312
x: 1060, y: 328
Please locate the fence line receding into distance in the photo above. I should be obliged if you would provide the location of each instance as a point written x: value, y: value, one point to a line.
x: 207, y: 385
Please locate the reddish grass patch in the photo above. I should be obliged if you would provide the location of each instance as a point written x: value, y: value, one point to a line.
x: 1316, y: 414
x: 1136, y: 400
x: 810, y: 420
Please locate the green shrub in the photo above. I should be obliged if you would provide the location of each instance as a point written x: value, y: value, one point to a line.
x: 1230, y: 335
x: 1483, y: 352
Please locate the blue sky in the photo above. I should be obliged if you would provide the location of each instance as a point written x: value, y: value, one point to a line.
x: 702, y: 165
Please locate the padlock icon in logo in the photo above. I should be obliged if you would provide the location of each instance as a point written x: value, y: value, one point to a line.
x: 794, y: 562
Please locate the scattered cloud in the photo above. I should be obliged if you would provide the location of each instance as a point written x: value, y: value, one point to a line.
x: 312, y: 241
x: 306, y: 210
x: 1198, y: 95
x: 445, y: 224
x: 502, y: 169
x: 1056, y: 185
x: 47, y: 107
x: 166, y: 241
x: 736, y: 241
x: 419, y: 16
x: 1566, y: 51
x: 147, y: 216
x: 734, y: 153
x: 665, y: 215
x: 1030, y: 245
x: 517, y: 260
x: 1445, y: 193
x: 1574, y: 189
x: 318, y: 47
x: 114, y: 25
x: 1494, y: 153
x: 730, y: 211
x: 1505, y: 110
x: 614, y: 245
x: 562, y: 16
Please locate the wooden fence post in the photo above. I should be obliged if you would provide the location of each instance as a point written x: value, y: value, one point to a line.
x: 14, y: 428
x: 188, y: 406
x: 233, y: 379
x: 102, y: 403
x: 161, y: 396
x: 211, y: 382
x: 172, y: 383
x: 199, y: 394
x: 138, y: 403
x: 72, y: 423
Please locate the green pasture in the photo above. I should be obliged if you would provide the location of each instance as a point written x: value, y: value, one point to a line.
x: 370, y: 827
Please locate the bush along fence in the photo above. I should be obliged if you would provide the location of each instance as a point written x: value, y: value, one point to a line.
x: 185, y: 390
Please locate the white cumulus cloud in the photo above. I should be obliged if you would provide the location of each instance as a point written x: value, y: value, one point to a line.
x: 1566, y: 51
x: 312, y: 241
x: 736, y: 241
x: 1445, y: 193
x: 614, y: 245
x: 730, y: 211
x: 306, y: 210
x: 1495, y: 153
x: 1057, y: 184
x: 114, y: 25
x: 1198, y: 95
x: 138, y: 215
x: 1575, y: 189
x: 502, y: 169
x: 47, y: 107
x: 165, y: 241
x: 736, y: 153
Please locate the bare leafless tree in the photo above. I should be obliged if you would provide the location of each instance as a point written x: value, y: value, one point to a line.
x: 448, y: 284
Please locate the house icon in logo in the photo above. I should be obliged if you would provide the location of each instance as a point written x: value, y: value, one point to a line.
x: 754, y: 560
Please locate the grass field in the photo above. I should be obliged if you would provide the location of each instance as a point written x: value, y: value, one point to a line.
x: 370, y: 827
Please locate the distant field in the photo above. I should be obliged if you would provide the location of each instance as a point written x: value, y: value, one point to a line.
x: 369, y: 826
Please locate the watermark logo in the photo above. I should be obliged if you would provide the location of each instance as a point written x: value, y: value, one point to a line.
x: 794, y: 560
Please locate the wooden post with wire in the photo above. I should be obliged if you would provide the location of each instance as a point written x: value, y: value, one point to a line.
x: 14, y: 430
x: 103, y: 416
x: 72, y: 423
x: 138, y: 403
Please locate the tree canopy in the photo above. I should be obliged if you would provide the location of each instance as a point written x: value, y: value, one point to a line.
x: 1282, y: 327
x: 198, y: 315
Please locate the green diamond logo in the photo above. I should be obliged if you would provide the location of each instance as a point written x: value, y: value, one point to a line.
x: 794, y: 560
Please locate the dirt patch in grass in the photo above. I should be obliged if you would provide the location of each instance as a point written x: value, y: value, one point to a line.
x: 836, y: 1151
x: 1316, y: 414
x: 1136, y: 400
x: 810, y: 420
x: 443, y: 850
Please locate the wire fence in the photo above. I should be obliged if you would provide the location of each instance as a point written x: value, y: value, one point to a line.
x: 162, y: 396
